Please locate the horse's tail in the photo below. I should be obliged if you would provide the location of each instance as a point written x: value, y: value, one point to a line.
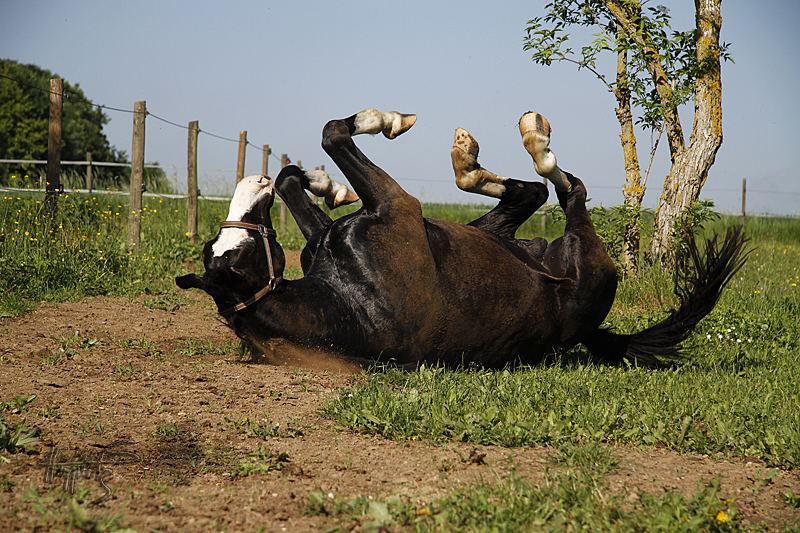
x: 699, y: 290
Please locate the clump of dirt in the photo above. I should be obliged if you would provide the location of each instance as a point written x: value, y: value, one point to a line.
x: 221, y: 443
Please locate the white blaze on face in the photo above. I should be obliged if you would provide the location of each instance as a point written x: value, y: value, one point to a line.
x: 248, y: 192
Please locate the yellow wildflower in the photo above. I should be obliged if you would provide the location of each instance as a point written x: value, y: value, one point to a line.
x: 722, y: 517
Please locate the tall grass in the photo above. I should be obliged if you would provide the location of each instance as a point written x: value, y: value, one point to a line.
x: 83, y: 251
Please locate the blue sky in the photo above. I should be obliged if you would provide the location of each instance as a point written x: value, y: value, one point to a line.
x: 280, y: 70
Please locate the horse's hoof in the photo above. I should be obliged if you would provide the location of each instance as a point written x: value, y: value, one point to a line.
x: 340, y: 195
x: 466, y: 147
x: 535, y: 131
x: 396, y: 124
x: 531, y: 121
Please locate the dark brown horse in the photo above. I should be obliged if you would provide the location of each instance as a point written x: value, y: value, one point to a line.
x: 387, y: 284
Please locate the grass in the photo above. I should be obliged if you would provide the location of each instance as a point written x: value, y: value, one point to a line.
x: 736, y: 395
x: 573, y: 495
x: 62, y: 511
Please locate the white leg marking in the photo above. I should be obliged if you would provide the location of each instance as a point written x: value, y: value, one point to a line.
x: 249, y: 191
x: 470, y: 176
x: 535, y: 130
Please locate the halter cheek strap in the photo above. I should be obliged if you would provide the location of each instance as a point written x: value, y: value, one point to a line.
x: 274, y: 280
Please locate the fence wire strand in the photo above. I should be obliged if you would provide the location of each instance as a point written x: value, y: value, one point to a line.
x: 75, y: 98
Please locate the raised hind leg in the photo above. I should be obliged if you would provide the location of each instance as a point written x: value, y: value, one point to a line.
x: 535, y: 131
x: 518, y: 199
x: 580, y: 254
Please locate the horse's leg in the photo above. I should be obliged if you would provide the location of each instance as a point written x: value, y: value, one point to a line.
x: 291, y: 184
x: 571, y: 193
x: 580, y: 254
x: 535, y: 130
x: 518, y: 199
x: 373, y: 185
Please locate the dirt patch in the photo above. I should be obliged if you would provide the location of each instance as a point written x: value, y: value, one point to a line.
x: 158, y: 379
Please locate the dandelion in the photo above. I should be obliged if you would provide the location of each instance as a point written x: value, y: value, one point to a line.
x: 423, y: 512
x: 722, y: 517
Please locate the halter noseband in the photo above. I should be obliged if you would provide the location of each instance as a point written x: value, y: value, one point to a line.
x: 274, y: 280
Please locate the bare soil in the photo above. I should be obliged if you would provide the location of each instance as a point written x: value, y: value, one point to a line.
x: 138, y: 379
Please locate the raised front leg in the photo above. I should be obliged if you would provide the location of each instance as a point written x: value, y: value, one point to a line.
x: 375, y: 187
x: 291, y: 184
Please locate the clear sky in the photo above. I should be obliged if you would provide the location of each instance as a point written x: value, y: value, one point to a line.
x: 280, y: 70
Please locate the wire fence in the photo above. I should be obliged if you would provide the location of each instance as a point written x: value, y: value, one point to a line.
x: 72, y: 95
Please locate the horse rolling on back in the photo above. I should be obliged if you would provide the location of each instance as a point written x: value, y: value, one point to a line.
x: 387, y: 284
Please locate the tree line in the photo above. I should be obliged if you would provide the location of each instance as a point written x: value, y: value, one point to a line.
x: 24, y: 116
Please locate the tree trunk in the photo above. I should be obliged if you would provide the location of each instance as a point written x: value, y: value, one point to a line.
x: 633, y: 190
x: 690, y: 166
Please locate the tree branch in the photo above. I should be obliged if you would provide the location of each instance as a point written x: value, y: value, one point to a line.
x: 625, y: 17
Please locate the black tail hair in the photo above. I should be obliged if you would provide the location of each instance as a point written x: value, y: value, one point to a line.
x: 699, y: 290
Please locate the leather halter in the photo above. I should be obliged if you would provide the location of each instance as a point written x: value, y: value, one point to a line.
x: 274, y: 280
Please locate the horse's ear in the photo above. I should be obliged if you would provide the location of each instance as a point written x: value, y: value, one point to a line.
x: 190, y: 281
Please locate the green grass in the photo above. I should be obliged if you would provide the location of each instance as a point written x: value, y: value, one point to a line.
x: 572, y: 496
x: 736, y: 395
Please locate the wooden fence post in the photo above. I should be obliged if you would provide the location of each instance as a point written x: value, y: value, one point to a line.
x: 242, y: 149
x: 137, y: 174
x: 744, y: 194
x: 89, y: 172
x: 191, y: 190
x: 544, y: 212
x: 53, y: 183
x: 284, y: 160
x: 265, y: 160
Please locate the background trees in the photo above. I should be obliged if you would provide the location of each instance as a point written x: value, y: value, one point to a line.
x: 24, y: 114
x: 24, y: 111
x: 657, y: 70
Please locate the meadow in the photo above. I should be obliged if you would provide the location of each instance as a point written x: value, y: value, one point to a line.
x: 736, y: 394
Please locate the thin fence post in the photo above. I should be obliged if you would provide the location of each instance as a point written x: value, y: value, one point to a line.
x: 744, y: 194
x: 53, y: 183
x: 265, y: 160
x: 137, y: 174
x: 544, y: 212
x: 194, y: 130
x: 284, y: 162
x: 242, y: 149
x: 89, y: 172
